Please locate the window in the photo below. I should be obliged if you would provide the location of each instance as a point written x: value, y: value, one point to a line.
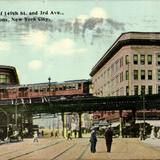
x: 142, y: 74
x: 149, y: 59
x: 158, y: 59
x: 117, y: 65
x: 135, y: 59
x: 135, y: 74
x: 149, y: 89
x: 127, y: 75
x: 4, y: 78
x: 149, y: 74
x: 112, y: 68
x: 158, y: 74
x: 121, y: 77
x: 127, y: 90
x: 79, y: 85
x: 121, y: 62
x: 142, y: 59
x: 158, y: 89
x: 143, y: 89
x: 135, y: 90
x: 127, y: 59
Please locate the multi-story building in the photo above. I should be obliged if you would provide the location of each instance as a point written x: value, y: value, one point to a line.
x: 129, y: 67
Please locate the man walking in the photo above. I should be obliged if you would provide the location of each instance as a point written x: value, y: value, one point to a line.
x: 93, y: 140
x: 108, y: 137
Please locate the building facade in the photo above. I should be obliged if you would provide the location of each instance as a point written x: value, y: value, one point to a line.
x: 131, y: 66
x: 8, y: 75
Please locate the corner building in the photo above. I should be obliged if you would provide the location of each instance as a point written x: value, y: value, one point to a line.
x: 129, y: 67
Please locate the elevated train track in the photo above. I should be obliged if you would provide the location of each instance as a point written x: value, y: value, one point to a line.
x: 55, y: 104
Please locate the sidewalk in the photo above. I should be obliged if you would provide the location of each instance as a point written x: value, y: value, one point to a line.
x: 152, y: 141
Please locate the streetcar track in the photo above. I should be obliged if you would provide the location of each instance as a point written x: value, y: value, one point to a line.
x: 58, y: 155
x: 7, y: 153
x: 35, y: 150
x: 83, y: 152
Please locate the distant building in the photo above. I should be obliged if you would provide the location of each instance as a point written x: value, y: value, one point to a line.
x: 8, y: 77
x: 131, y: 66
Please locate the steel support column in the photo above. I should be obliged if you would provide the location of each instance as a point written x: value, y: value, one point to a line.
x: 121, y: 121
x: 80, y: 125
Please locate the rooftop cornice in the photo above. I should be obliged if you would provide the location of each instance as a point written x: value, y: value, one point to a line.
x: 128, y: 38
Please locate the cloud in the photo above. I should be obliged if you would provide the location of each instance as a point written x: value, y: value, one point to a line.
x: 82, y: 18
x: 4, y: 46
x: 64, y: 46
x: 116, y: 25
x: 98, y: 13
x: 35, y: 65
x: 35, y: 38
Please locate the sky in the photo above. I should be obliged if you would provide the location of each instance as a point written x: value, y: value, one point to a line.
x: 64, y: 39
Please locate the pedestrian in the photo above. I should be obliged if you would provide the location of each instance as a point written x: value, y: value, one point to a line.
x: 56, y: 133
x: 42, y: 133
x: 141, y: 134
x: 69, y: 135
x: 108, y: 138
x: 35, y: 136
x: 158, y: 133
x: 75, y: 133
x: 51, y: 133
x: 93, y: 141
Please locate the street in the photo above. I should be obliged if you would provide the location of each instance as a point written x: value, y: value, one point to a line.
x: 77, y: 149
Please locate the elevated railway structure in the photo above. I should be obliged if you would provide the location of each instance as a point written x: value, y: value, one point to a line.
x: 56, y: 104
x: 80, y: 104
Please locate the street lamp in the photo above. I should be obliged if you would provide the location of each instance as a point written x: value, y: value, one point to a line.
x: 49, y: 85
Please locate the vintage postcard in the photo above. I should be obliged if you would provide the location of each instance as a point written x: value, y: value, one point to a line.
x: 59, y: 59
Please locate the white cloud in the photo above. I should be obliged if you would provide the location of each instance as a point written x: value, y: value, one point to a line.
x: 35, y: 65
x: 98, y: 13
x: 82, y: 18
x: 36, y: 38
x: 4, y: 46
x: 64, y: 46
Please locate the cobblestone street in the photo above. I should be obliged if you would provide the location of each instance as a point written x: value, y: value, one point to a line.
x: 59, y: 149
